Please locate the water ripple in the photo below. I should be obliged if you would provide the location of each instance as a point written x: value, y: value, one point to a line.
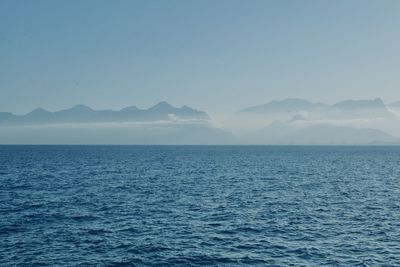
x: 199, y: 206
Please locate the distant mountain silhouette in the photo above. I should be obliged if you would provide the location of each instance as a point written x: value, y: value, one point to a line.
x: 359, y: 109
x: 6, y: 117
x: 347, y: 109
x: 84, y: 114
x: 286, y: 106
x: 297, y: 121
x: 376, y: 103
x: 316, y: 134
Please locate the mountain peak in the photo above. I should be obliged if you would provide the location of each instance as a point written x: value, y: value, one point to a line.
x: 39, y: 110
x: 81, y: 107
x: 76, y: 110
x: 163, y: 105
x: 38, y: 114
x: 298, y: 117
x: 288, y: 105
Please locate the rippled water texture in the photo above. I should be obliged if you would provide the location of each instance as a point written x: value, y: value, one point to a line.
x: 192, y: 206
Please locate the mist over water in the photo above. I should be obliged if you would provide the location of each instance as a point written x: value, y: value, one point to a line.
x: 279, y: 122
x: 199, y: 206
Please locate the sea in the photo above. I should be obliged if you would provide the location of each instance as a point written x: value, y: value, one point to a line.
x: 199, y: 206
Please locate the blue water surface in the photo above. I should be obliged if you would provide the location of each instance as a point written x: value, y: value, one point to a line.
x: 199, y: 206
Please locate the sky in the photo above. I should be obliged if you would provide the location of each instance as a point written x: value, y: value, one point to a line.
x: 214, y: 55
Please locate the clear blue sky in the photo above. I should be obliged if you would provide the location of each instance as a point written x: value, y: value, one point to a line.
x: 214, y: 55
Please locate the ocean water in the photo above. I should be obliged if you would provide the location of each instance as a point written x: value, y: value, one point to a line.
x: 199, y: 206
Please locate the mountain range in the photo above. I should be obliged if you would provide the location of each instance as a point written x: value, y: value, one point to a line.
x: 288, y: 121
x: 299, y: 133
x: 348, y: 109
x: 84, y: 114
x: 288, y: 106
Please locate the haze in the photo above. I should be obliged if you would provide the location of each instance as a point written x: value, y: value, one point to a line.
x: 217, y: 56
x: 199, y: 72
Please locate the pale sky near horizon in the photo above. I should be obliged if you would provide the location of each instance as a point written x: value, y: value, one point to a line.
x: 218, y: 56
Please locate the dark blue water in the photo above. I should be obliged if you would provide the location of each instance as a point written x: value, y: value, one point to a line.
x: 199, y: 206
